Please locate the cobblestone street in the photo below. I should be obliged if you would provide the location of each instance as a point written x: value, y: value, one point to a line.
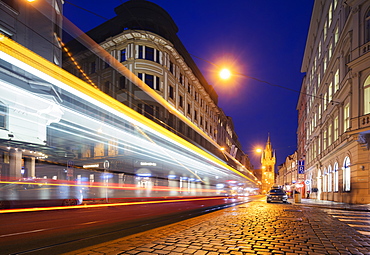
x: 251, y: 228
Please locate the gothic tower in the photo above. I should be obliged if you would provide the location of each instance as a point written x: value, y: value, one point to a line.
x: 268, y: 167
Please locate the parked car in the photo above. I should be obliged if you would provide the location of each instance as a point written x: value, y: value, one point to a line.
x: 277, y: 195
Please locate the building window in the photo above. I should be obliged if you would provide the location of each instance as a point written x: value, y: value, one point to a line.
x: 123, y: 55
x: 336, y: 80
x: 346, y: 117
x: 149, y: 53
x: 140, y: 52
x: 336, y: 126
x: 149, y: 80
x: 336, y: 177
x: 189, y: 109
x: 367, y: 96
x: 181, y: 101
x: 122, y: 82
x: 329, y: 134
x: 330, y: 179
x: 336, y: 35
x: 346, y: 174
x: 3, y: 115
x: 330, y: 14
x: 172, y: 68
x: 367, y: 27
x: 195, y: 115
x: 92, y: 67
x: 171, y: 92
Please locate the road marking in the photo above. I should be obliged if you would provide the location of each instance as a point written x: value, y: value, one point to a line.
x: 23, y: 233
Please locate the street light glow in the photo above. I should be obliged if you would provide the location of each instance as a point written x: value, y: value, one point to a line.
x: 225, y: 74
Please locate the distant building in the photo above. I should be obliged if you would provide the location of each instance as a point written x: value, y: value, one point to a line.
x: 334, y: 106
x: 268, y: 161
x: 288, y: 175
x: 37, y: 26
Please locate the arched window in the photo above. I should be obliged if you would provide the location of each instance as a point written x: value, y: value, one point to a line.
x: 330, y: 180
x: 367, y: 96
x: 346, y: 174
x: 3, y: 115
x: 367, y: 27
x: 336, y: 177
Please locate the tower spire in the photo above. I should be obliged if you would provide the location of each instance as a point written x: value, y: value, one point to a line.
x: 268, y: 161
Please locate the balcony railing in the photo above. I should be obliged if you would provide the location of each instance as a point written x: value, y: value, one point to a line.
x: 364, y: 121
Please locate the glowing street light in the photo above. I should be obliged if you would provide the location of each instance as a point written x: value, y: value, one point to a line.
x: 225, y: 74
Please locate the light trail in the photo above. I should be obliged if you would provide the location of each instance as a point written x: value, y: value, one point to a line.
x: 39, y: 209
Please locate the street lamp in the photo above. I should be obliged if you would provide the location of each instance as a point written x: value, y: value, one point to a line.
x: 225, y: 74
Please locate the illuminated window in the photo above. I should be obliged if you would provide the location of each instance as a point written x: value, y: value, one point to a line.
x: 346, y: 117
x: 3, y: 115
x: 330, y: 92
x: 336, y: 177
x: 346, y: 174
x: 336, y: 35
x: 330, y: 179
x: 324, y: 181
x: 336, y: 126
x: 329, y: 135
x: 367, y: 96
x: 330, y: 14
x: 336, y: 80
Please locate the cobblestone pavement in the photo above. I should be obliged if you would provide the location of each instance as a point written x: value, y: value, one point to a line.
x: 251, y: 228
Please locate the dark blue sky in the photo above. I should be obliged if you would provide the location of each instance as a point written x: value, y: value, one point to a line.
x: 264, y: 39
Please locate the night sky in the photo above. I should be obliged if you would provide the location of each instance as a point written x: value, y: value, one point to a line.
x: 262, y: 39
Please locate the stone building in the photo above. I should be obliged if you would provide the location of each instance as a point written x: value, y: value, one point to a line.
x: 143, y: 37
x: 334, y: 127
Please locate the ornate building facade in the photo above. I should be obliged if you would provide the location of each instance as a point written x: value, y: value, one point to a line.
x: 143, y: 38
x: 334, y: 106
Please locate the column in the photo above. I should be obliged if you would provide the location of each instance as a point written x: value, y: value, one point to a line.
x: 29, y: 165
x: 15, y: 164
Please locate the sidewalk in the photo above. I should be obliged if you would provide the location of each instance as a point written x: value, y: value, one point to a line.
x: 331, y: 204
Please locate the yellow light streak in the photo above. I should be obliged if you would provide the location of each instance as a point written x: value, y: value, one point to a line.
x: 38, y: 209
x: 17, y: 51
